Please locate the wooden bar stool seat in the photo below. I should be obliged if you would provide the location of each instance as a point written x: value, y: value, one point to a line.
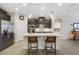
x: 52, y: 41
x: 32, y: 40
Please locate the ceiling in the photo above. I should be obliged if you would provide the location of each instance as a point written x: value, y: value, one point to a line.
x: 38, y: 9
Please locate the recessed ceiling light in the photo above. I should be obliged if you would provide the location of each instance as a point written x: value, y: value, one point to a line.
x: 60, y: 4
x: 30, y: 15
x: 42, y: 8
x: 16, y: 9
x: 24, y: 4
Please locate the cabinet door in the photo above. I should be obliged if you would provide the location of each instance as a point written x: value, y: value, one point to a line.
x: 47, y: 23
x: 37, y: 23
x: 31, y: 21
x: 3, y: 17
x: 7, y: 17
x: 41, y: 21
x: 2, y: 11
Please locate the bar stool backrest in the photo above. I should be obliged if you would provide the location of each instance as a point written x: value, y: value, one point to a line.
x: 51, y: 39
x: 32, y: 39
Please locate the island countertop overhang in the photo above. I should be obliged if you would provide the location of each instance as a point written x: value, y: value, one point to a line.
x: 42, y: 34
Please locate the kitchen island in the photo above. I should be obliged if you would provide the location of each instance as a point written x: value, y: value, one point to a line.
x: 41, y: 38
x: 42, y: 34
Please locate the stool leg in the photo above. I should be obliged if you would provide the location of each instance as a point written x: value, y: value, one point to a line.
x: 37, y: 47
x: 51, y: 46
x: 46, y: 48
x: 55, y: 48
x: 28, y: 48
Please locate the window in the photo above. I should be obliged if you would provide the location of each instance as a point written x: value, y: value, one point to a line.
x: 76, y: 26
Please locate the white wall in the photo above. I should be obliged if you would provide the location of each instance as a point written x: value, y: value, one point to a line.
x: 20, y: 26
x: 67, y: 20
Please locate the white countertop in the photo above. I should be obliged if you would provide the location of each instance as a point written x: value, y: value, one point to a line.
x: 43, y: 30
x: 42, y: 34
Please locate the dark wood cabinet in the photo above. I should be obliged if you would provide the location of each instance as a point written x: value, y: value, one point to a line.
x: 36, y: 22
x: 47, y: 23
x: 8, y: 17
x: 31, y: 21
x: 2, y: 11
x: 5, y: 17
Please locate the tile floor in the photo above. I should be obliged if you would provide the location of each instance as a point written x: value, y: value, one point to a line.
x: 64, y: 47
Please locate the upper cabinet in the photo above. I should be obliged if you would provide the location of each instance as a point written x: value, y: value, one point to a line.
x: 37, y: 23
x: 4, y: 16
x: 31, y: 21
x: 40, y: 21
x: 47, y: 23
x: 34, y: 23
x: 42, y: 24
x: 2, y: 11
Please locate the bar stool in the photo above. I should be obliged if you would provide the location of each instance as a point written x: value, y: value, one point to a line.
x: 52, y: 41
x: 32, y: 40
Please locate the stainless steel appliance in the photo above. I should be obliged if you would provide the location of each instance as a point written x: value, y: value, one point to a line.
x: 7, y: 34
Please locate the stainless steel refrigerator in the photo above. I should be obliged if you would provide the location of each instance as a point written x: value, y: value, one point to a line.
x: 7, y: 34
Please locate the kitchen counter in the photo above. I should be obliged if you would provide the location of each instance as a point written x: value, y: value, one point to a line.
x: 41, y: 38
x: 42, y: 34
